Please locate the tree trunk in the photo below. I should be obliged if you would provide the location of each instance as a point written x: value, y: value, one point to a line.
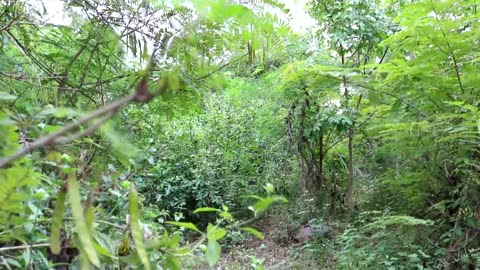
x: 350, y: 173
x: 319, y: 173
x: 333, y: 200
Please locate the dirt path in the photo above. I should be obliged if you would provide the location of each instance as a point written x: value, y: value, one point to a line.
x: 275, y: 255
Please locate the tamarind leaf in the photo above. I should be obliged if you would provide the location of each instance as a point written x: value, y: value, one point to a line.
x: 136, y: 229
x: 84, y: 236
x: 57, y: 221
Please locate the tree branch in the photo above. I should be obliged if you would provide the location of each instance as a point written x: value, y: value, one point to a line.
x: 141, y: 95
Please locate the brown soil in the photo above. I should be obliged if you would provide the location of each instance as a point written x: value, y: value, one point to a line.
x: 276, y: 256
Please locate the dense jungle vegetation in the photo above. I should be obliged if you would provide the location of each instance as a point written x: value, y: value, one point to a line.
x: 211, y: 134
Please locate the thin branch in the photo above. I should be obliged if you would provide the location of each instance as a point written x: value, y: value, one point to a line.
x: 3, y: 249
x: 42, y: 66
x: 86, y: 132
x: 220, y: 68
x: 381, y: 60
x: 378, y: 91
x: 330, y: 146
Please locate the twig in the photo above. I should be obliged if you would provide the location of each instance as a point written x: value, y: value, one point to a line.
x: 220, y: 68
x: 102, y: 222
x: 86, y: 132
x: 26, y: 246
x: 4, y: 262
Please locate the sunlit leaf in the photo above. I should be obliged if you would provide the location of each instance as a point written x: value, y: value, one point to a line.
x: 205, y: 209
x: 215, y: 233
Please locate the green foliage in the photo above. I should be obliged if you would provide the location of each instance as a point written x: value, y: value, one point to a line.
x: 354, y: 26
x: 53, y: 75
x: 377, y: 113
x: 214, y: 157
x: 385, y: 241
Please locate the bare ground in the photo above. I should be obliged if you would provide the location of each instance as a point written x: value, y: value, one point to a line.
x: 275, y: 255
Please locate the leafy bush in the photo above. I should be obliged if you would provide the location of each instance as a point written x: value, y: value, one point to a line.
x: 383, y: 241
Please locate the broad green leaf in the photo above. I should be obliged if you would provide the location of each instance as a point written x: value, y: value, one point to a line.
x: 136, y: 229
x: 187, y: 225
x: 253, y: 232
x: 84, y: 235
x: 213, y: 252
x: 57, y: 221
x: 214, y: 233
x: 205, y: 209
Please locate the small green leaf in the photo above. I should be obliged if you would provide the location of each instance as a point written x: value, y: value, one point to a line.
x: 213, y: 252
x: 57, y: 221
x: 125, y: 184
x: 83, y: 233
x: 187, y: 225
x: 205, y: 209
x: 136, y: 229
x: 226, y: 215
x: 253, y: 232
x: 269, y: 188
